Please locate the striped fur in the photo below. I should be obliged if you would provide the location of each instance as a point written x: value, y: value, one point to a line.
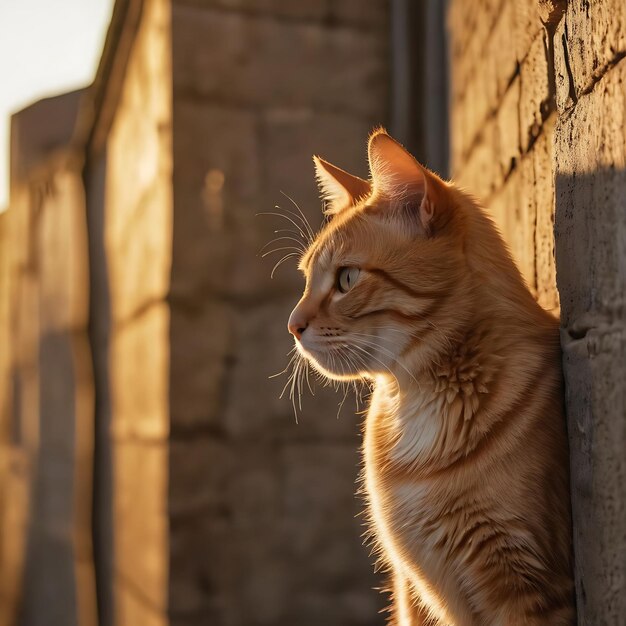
x: 465, y: 447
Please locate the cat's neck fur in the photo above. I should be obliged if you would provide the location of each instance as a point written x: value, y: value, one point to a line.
x: 436, y: 404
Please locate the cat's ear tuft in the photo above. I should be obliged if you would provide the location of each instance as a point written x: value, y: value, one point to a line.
x: 400, y: 179
x: 339, y: 189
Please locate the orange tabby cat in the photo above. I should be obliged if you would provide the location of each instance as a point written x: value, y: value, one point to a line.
x: 410, y: 285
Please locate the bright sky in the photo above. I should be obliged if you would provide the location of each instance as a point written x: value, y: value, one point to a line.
x: 47, y: 47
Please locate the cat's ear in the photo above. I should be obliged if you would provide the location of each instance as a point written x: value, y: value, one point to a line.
x: 400, y: 179
x: 339, y: 189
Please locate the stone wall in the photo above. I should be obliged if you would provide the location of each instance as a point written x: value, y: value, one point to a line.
x: 46, y: 387
x: 537, y: 116
x: 134, y: 194
x: 262, y: 510
x: 213, y: 505
x: 502, y: 127
x: 139, y: 326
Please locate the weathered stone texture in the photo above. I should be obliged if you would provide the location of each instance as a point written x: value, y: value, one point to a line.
x: 543, y: 197
x: 591, y: 266
x: 141, y: 478
x: 139, y: 370
x: 254, y: 61
x: 251, y: 107
x: 536, y: 99
x: 596, y: 39
x: 209, y: 495
x: 139, y: 171
x: 502, y: 97
x: 571, y: 155
x: 373, y: 14
x: 138, y: 251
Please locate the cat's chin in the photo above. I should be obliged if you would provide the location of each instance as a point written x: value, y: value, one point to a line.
x: 328, y: 371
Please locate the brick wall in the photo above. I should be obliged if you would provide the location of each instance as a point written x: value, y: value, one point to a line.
x: 537, y: 116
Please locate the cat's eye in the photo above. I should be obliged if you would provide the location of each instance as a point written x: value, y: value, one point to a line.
x: 346, y: 278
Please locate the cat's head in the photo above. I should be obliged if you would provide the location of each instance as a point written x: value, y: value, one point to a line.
x: 381, y: 273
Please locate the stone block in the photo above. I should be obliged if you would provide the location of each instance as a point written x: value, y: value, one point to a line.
x: 469, y: 26
x: 507, y: 122
x: 25, y: 319
x: 138, y: 202
x: 62, y: 241
x: 543, y: 168
x: 563, y: 82
x: 500, y: 54
x: 216, y: 183
x: 251, y: 62
x: 200, y: 472
x: 255, y: 488
x: 131, y: 607
x: 535, y: 101
x: 138, y: 266
x: 470, y: 113
x: 481, y: 172
x: 140, y: 514
x: 512, y: 208
x: 596, y: 39
x: 200, y: 351
x: 528, y: 26
x: 204, y: 563
x: 321, y: 479
x: 490, y: 71
x: 521, y: 220
x: 139, y: 371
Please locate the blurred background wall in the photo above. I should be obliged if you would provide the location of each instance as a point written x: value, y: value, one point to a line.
x: 149, y: 472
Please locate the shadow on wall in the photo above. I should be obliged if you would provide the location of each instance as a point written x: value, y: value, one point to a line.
x: 590, y: 231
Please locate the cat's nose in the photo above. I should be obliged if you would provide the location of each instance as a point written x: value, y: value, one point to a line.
x: 297, y: 324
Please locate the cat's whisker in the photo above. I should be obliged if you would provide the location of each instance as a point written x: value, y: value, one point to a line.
x: 290, y: 377
x: 308, y: 382
x: 300, y: 245
x: 308, y: 232
x: 286, y: 217
x: 304, y: 218
x: 279, y: 263
x: 293, y: 248
x: 291, y: 360
x: 293, y: 387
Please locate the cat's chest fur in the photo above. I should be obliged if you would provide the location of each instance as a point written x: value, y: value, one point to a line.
x: 407, y: 512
